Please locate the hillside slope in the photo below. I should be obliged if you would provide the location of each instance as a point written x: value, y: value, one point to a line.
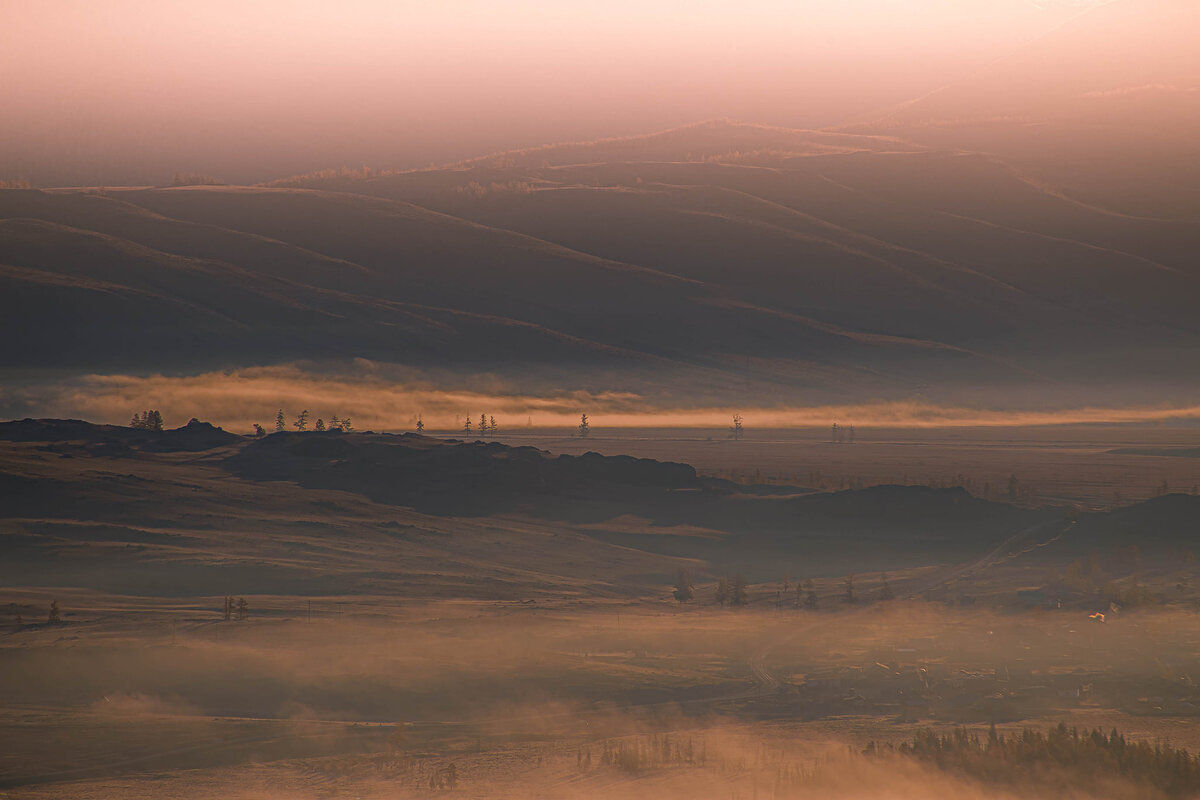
x: 224, y: 277
x: 704, y: 264
x: 199, y: 511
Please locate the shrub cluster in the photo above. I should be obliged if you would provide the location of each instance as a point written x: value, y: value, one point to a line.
x: 1086, y: 757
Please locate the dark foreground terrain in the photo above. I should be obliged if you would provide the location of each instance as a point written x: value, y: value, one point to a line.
x: 422, y: 613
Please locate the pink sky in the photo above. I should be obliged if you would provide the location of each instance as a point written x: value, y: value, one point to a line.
x: 129, y: 91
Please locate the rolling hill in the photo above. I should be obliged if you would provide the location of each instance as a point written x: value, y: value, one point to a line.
x: 198, y: 511
x: 837, y: 275
x: 219, y: 277
x: 1021, y: 233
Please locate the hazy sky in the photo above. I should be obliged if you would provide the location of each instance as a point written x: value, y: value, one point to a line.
x: 126, y: 91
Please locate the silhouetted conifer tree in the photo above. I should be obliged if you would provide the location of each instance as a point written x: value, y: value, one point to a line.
x: 722, y: 594
x: 739, y: 596
x: 684, y: 590
x: 810, y: 595
x: 885, y: 588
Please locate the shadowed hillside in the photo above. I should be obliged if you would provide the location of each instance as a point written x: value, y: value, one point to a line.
x: 199, y: 509
x: 1025, y: 231
x: 395, y: 282
x: 1162, y: 529
x: 841, y: 275
x: 196, y: 436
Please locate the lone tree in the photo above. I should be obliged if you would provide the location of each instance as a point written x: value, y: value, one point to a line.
x: 259, y: 430
x: 584, y: 428
x: 483, y: 424
x: 723, y: 595
x: 397, y: 739
x: 492, y: 424
x: 243, y: 608
x: 467, y: 425
x: 740, y: 597
x: 279, y: 423
x: 54, y: 615
x: 885, y: 588
x: 301, y: 422
x: 810, y: 595
x: 848, y: 595
x: 420, y: 424
x: 320, y: 424
x: 737, y: 431
x: 684, y: 590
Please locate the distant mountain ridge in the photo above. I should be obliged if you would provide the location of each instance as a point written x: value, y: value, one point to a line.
x: 837, y: 275
x: 1021, y: 233
x: 1104, y: 108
